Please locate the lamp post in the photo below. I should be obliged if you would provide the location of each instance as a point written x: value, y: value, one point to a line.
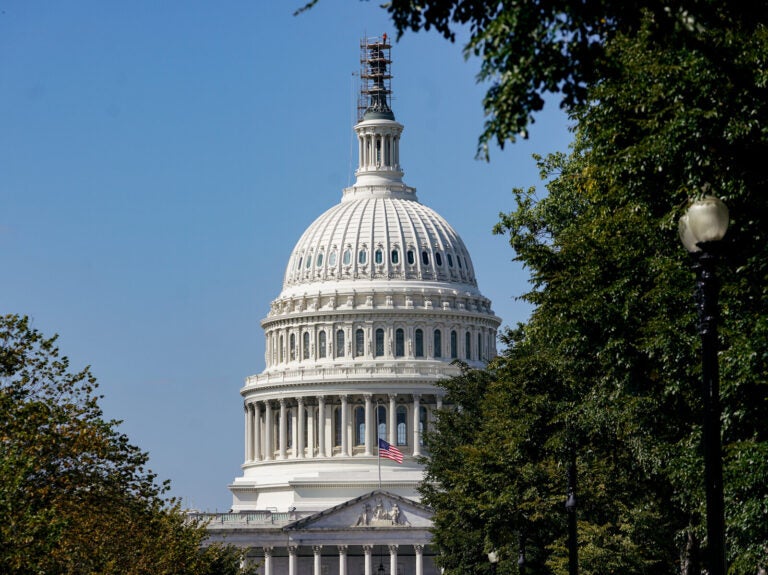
x: 570, y: 508
x: 701, y: 227
x: 521, y: 560
x: 493, y: 558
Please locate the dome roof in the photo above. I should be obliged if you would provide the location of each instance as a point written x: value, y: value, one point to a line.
x: 380, y: 233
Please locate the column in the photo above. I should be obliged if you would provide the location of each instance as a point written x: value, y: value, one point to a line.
x: 318, y: 565
x: 269, y: 440
x: 311, y: 439
x: 393, y: 558
x: 344, y: 426
x: 368, y: 423
x: 416, y: 434
x: 368, y: 553
x: 299, y: 441
x: 268, y: 561
x: 248, y: 423
x: 419, y: 549
x: 256, y: 431
x: 321, y: 426
x: 292, y: 560
x: 392, y: 424
x: 283, y: 439
x: 342, y: 560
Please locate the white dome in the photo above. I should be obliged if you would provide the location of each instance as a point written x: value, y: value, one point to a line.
x: 380, y: 234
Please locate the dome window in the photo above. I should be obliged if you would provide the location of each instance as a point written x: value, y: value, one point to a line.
x: 305, y: 345
x: 378, y: 257
x: 438, y: 343
x: 450, y: 260
x: 340, y: 343
x: 458, y: 261
x: 309, y: 261
x: 419, y: 343
x: 467, y: 346
x: 438, y: 259
x: 410, y: 258
x: 399, y: 343
x: 362, y: 257
x: 321, y: 343
x: 454, y: 345
x: 298, y: 265
x: 395, y: 255
x: 379, y: 342
x: 346, y: 259
x: 293, y: 347
x: 332, y: 258
x: 320, y: 259
x: 359, y: 343
x: 425, y: 257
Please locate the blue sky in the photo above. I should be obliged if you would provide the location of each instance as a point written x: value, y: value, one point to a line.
x: 158, y: 161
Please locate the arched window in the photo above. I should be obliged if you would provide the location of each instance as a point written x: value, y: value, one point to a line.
x: 332, y: 258
x: 309, y: 260
x: 293, y: 346
x: 280, y: 351
x: 362, y: 257
x: 381, y: 422
x: 337, y: 427
x: 340, y: 343
x: 395, y: 255
x: 422, y: 423
x: 458, y: 260
x: 359, y: 425
x: 298, y: 264
x: 410, y: 258
x: 438, y: 259
x: 319, y: 259
x: 467, y: 346
x: 379, y: 342
x: 402, y: 425
x: 305, y: 345
x: 425, y: 257
x: 438, y: 341
x: 346, y: 258
x: 378, y: 257
x: 479, y: 347
x: 450, y: 260
x: 419, y: 343
x: 399, y: 342
x: 454, y: 345
x: 321, y: 344
x: 359, y: 343
x: 305, y: 414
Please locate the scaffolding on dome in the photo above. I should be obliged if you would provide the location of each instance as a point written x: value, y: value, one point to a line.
x: 375, y: 79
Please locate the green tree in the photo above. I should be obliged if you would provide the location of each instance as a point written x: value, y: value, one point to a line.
x: 75, y: 494
x: 669, y: 101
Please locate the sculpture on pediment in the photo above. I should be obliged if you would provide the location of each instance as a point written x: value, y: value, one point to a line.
x: 380, y: 516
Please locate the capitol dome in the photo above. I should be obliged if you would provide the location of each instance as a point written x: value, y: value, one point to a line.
x: 379, y: 304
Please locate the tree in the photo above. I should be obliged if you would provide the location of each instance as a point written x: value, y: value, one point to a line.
x: 528, y: 49
x: 671, y: 103
x: 75, y: 495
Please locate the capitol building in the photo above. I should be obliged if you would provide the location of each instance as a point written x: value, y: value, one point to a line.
x: 379, y: 299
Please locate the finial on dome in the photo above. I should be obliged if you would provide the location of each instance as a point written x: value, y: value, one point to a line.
x: 375, y: 79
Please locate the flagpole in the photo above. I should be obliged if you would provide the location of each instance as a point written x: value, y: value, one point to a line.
x: 378, y: 446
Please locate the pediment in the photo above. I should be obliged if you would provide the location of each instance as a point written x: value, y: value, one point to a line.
x: 375, y: 510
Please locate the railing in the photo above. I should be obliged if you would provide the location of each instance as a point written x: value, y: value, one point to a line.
x: 352, y: 372
x: 258, y: 518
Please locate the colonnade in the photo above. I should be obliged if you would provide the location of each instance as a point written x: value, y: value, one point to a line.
x: 371, y: 341
x: 335, y: 426
x: 379, y: 149
x: 347, y: 554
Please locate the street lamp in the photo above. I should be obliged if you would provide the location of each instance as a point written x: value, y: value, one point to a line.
x: 493, y: 558
x: 701, y: 228
x: 570, y: 508
x: 521, y: 560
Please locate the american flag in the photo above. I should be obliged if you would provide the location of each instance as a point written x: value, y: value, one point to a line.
x: 390, y: 451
